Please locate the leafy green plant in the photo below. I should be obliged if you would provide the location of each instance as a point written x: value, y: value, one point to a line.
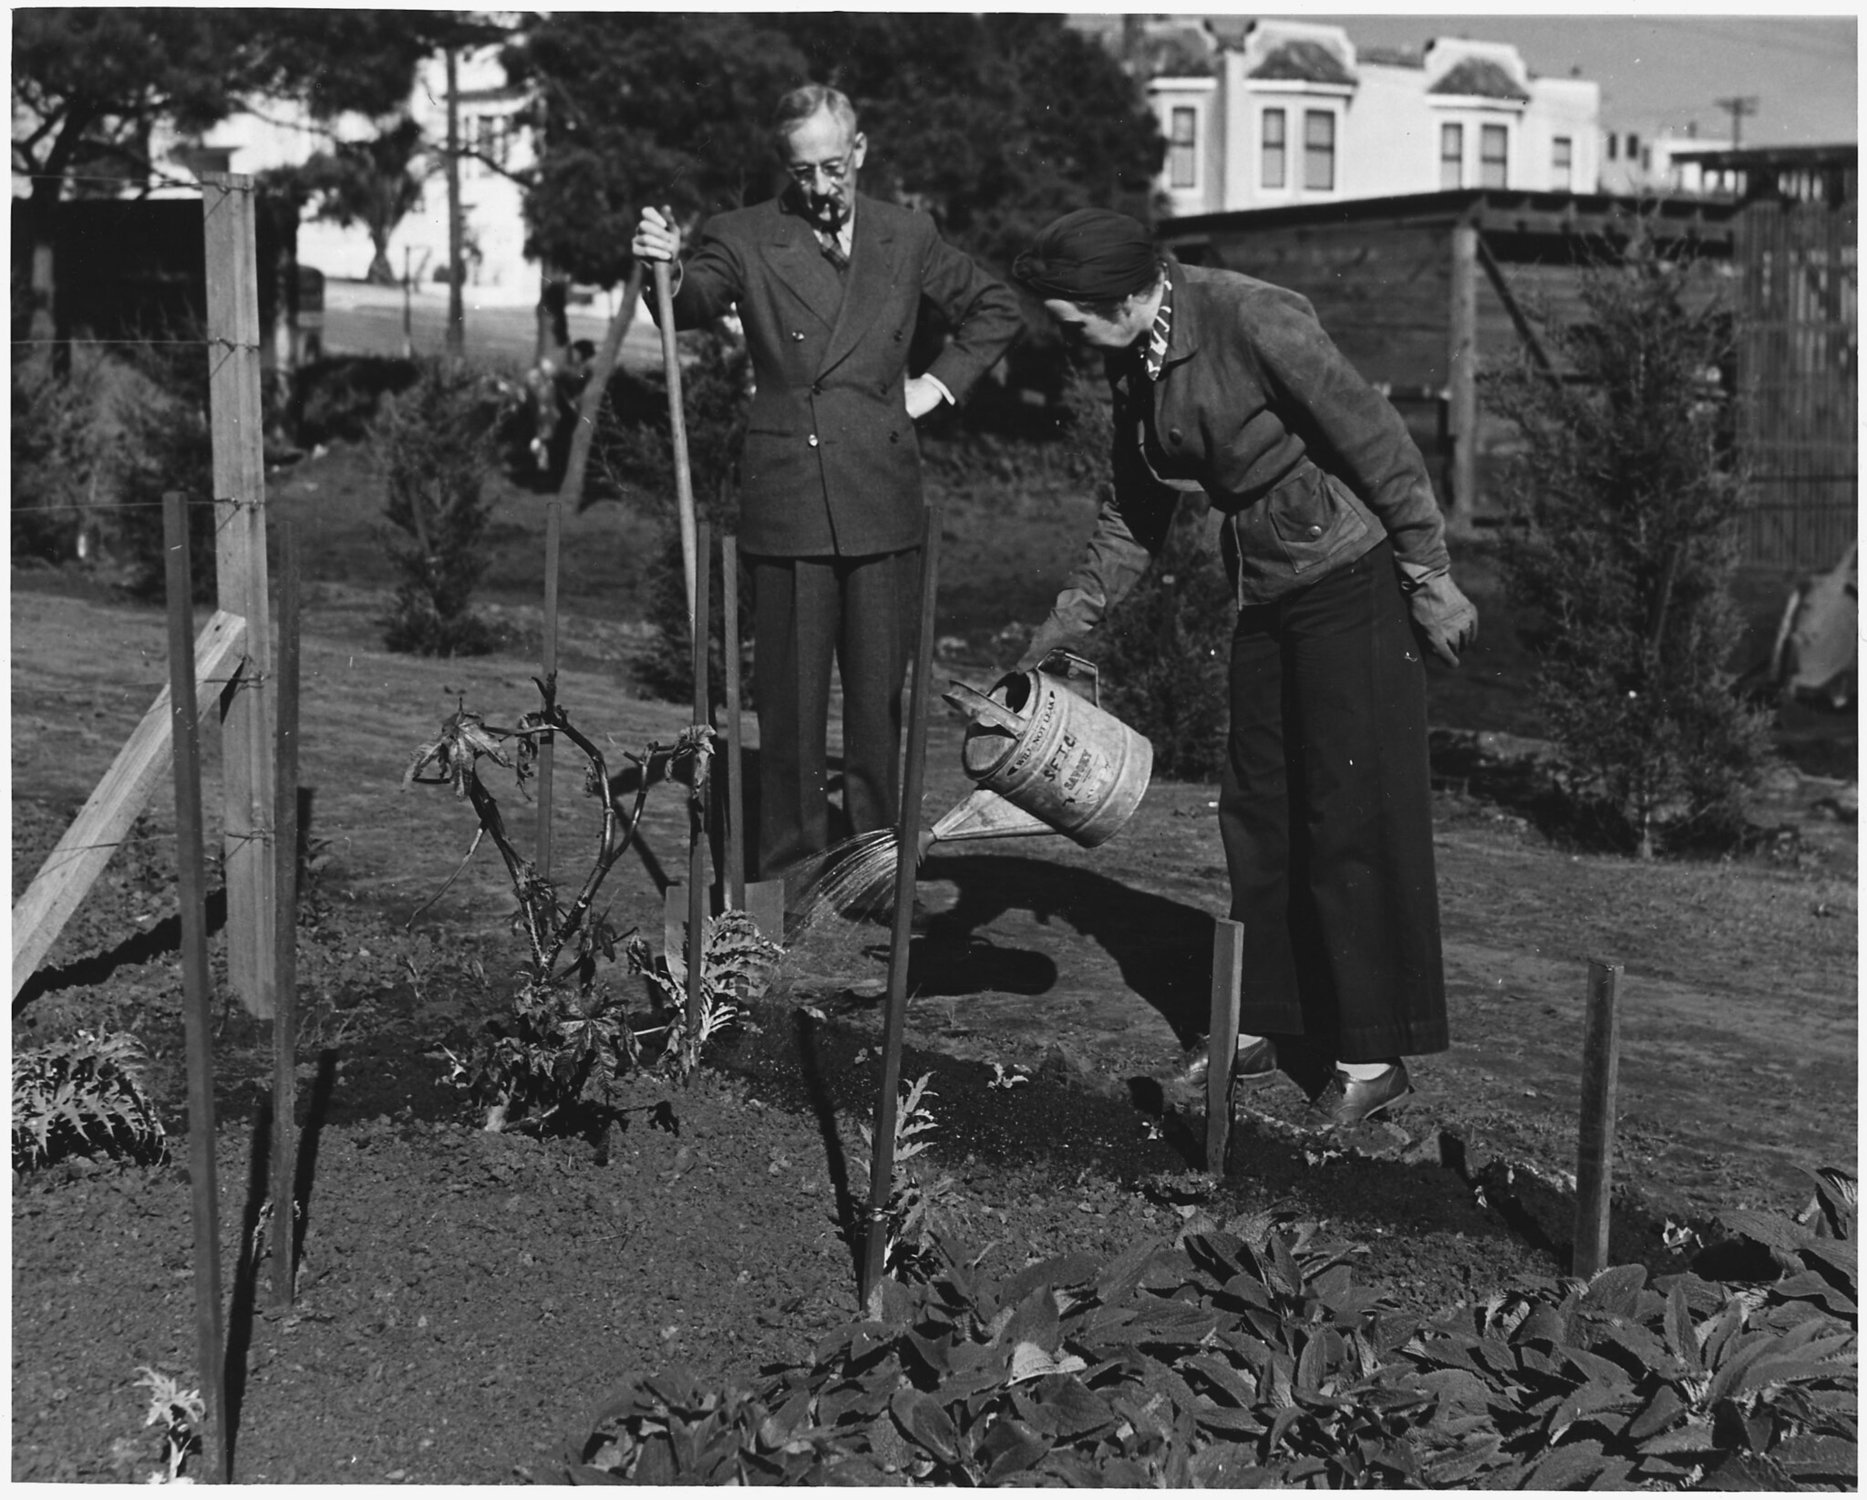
x: 569, y: 1036
x: 434, y: 445
x: 181, y: 1414
x: 919, y: 1214
x: 1247, y: 1357
x: 1623, y: 550
x: 83, y: 1097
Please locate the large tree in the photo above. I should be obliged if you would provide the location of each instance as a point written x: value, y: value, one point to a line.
x: 375, y: 182
x: 90, y: 84
x: 638, y: 108
x: 992, y: 123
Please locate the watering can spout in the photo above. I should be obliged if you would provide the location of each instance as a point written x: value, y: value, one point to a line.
x: 983, y: 814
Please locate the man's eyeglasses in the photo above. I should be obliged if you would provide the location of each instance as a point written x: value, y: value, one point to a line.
x: 805, y: 173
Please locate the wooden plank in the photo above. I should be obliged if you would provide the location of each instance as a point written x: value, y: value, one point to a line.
x: 72, y: 868
x: 1228, y: 973
x: 1594, y: 1166
x: 237, y: 420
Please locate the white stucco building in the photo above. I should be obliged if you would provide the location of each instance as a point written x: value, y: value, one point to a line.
x: 1286, y: 112
x: 495, y: 131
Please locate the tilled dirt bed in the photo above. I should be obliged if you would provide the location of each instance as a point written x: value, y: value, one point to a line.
x: 466, y: 1299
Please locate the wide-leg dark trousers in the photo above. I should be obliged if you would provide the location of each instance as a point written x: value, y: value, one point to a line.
x: 1325, y: 811
x: 808, y: 611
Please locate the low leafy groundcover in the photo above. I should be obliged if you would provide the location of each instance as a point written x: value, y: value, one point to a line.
x: 1248, y: 1357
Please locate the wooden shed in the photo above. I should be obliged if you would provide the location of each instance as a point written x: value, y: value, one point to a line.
x: 1420, y: 291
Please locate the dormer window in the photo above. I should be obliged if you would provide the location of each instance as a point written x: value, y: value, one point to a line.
x: 1182, y: 148
x: 1273, y: 169
x: 1493, y: 156
x: 1451, y: 156
x: 1319, y: 150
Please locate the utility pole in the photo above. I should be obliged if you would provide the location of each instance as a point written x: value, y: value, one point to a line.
x: 1737, y: 107
x: 456, y: 313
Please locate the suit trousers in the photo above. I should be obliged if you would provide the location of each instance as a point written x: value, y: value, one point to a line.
x: 1325, y: 811
x: 861, y: 613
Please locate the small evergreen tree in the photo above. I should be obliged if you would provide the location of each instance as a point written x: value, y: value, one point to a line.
x: 434, y: 445
x: 1623, y: 550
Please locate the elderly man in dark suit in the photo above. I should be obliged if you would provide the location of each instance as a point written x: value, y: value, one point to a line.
x: 829, y: 285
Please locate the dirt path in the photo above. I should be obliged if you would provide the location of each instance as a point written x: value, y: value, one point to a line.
x: 1740, y: 991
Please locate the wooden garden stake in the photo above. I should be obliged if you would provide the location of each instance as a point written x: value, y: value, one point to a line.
x: 1228, y: 972
x: 195, y: 979
x: 697, y: 808
x: 285, y: 850
x: 570, y: 492
x: 907, y: 858
x: 1594, y: 1166
x: 734, y: 885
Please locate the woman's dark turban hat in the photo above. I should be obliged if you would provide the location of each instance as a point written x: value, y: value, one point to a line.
x: 1091, y: 255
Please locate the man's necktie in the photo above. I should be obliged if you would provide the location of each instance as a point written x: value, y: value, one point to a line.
x: 833, y: 253
x: 1155, y: 355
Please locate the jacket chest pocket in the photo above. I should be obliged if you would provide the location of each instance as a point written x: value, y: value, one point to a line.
x: 1311, y: 517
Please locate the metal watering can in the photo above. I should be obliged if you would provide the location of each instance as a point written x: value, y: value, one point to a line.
x: 1048, y: 758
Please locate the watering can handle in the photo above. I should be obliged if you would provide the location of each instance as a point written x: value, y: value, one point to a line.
x: 981, y: 709
x: 1071, y: 669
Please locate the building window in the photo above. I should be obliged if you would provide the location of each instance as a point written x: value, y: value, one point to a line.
x: 489, y: 136
x: 1493, y: 156
x: 1614, y: 141
x: 1562, y: 165
x: 1451, y: 156
x: 1272, y: 165
x: 1319, y: 150
x: 1182, y: 147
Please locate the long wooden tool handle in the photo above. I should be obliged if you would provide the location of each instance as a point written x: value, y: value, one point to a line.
x: 677, y: 423
x: 589, y: 406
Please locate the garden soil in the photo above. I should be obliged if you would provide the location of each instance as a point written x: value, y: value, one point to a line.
x: 466, y: 1299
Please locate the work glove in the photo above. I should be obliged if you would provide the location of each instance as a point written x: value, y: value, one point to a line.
x: 1444, y: 617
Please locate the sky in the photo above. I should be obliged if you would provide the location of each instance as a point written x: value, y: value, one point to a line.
x: 1664, y: 71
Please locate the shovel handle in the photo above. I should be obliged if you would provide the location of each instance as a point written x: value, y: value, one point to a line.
x: 677, y: 426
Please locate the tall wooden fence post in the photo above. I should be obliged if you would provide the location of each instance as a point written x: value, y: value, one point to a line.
x: 197, y: 1012
x: 1594, y: 1165
x: 238, y: 428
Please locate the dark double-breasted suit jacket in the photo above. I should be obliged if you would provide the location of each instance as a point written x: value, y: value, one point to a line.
x: 830, y: 464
